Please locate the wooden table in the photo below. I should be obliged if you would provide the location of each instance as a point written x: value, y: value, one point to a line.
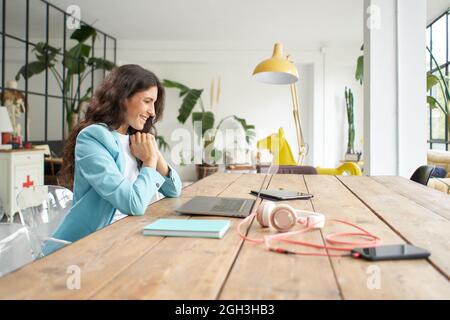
x: 118, y: 262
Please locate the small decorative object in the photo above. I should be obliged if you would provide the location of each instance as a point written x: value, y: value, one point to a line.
x: 28, y: 145
x: 211, y: 154
x: 351, y: 121
x: 14, y: 101
x: 353, y: 156
x: 5, y: 126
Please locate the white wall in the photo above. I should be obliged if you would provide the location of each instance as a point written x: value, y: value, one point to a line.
x: 395, y: 117
x: 339, y: 68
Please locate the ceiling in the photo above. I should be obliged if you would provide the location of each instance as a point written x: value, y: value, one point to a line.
x: 302, y: 23
x: 435, y: 8
x: 243, y: 24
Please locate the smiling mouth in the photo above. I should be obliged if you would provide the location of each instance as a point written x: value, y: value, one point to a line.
x: 143, y: 118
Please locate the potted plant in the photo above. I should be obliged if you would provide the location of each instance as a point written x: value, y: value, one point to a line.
x: 350, y: 155
x: 208, y: 132
x: 77, y: 65
x: 351, y: 121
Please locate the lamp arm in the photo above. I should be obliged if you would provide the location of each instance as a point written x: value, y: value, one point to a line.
x: 298, y: 127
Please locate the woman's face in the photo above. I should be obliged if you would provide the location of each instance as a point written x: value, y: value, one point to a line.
x: 140, y: 107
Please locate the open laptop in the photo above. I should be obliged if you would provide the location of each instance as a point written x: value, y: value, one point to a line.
x: 229, y: 207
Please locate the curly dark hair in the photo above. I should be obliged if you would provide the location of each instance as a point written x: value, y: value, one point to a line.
x: 108, y: 106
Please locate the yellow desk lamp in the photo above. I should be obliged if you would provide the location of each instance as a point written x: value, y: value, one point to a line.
x: 280, y: 70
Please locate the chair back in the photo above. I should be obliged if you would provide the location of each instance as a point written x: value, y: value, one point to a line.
x: 422, y: 174
x: 18, y: 246
x: 42, y: 208
x: 288, y: 169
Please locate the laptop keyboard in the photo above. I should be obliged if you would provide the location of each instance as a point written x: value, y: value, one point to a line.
x: 229, y: 205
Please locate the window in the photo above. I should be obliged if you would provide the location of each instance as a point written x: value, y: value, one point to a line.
x: 437, y: 41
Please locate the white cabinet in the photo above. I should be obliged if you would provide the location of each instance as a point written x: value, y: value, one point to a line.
x: 18, y: 169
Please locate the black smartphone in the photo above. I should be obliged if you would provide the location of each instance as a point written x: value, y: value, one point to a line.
x: 391, y: 252
x: 282, y: 194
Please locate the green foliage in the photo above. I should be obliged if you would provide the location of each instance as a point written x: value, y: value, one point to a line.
x: 359, y: 73
x: 162, y: 143
x: 441, y: 81
x: 190, y: 99
x: 77, y: 63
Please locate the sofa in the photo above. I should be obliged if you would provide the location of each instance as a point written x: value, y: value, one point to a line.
x: 441, y: 159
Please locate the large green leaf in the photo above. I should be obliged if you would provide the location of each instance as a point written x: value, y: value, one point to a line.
x: 173, y: 84
x: 433, y: 103
x: 99, y: 63
x: 83, y: 33
x: 46, y: 53
x: 32, y: 69
x: 432, y: 80
x: 359, y: 73
x: 443, y: 83
x: 75, y: 58
x: 46, y: 57
x: 248, y: 128
x: 189, y: 102
x: 206, y: 118
x: 162, y: 143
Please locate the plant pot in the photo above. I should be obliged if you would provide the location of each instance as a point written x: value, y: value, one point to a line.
x: 204, y: 170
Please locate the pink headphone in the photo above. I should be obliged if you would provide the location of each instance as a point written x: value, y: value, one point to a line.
x: 283, y: 217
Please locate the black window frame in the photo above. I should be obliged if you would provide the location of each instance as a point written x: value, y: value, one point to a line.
x: 432, y: 141
x: 64, y: 16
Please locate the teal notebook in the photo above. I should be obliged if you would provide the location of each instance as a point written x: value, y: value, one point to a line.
x: 187, y: 228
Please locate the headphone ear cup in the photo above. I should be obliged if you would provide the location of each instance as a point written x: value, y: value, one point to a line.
x: 283, y: 217
x: 263, y: 212
x: 314, y: 220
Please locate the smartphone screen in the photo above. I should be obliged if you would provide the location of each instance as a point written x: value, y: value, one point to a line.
x: 392, y: 252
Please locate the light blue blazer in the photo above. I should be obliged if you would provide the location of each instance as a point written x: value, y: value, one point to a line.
x: 100, y: 186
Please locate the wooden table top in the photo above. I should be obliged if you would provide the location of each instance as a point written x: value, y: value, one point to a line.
x: 118, y: 262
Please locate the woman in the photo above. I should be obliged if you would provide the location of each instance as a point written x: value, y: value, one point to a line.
x: 111, y: 158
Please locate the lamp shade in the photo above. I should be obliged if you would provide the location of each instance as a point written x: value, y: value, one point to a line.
x: 276, y: 70
x: 5, y: 122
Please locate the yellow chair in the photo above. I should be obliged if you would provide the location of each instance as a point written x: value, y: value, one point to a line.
x: 350, y: 168
x: 279, y: 147
x: 277, y: 144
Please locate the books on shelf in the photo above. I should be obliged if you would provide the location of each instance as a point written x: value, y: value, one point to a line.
x: 187, y: 228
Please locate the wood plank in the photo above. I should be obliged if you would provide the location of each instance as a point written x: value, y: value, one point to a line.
x: 427, y: 197
x: 419, y: 225
x: 180, y: 268
x: 281, y: 276
x: 406, y: 279
x: 101, y: 255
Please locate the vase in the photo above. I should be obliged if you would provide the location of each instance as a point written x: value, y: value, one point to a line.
x: 204, y: 170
